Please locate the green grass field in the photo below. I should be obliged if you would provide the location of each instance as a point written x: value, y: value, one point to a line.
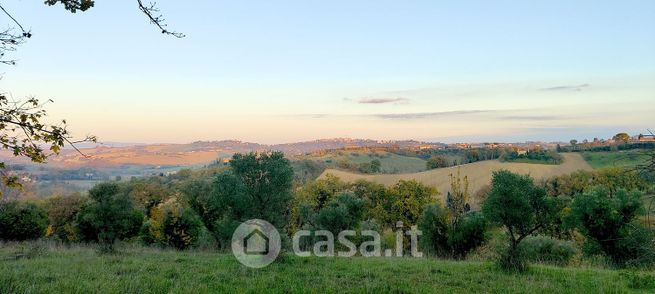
x: 391, y: 163
x: 628, y: 158
x: 142, y: 270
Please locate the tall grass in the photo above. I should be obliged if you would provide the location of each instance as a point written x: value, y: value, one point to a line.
x: 60, y: 268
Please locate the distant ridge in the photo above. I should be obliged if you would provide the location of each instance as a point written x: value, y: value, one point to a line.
x: 199, y: 152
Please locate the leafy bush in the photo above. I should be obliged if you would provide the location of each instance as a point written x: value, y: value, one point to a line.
x: 455, y: 230
x: 404, y: 201
x: 373, y: 167
x: 410, y: 198
x: 62, y: 213
x: 538, y: 155
x: 378, y: 202
x: 172, y: 224
x: 608, y: 222
x: 343, y: 213
x: 21, y: 221
x: 548, y: 250
x: 444, y: 237
x: 611, y: 178
x: 468, y: 234
x: 108, y: 216
x: 436, y: 161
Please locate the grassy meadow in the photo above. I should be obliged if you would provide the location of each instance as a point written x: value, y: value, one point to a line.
x: 627, y: 158
x: 391, y: 163
x: 79, y: 269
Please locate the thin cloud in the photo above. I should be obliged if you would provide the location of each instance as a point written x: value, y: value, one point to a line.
x: 370, y: 100
x: 427, y: 115
x: 566, y: 88
x: 532, y: 117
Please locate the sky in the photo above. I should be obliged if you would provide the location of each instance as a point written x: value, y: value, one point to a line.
x: 286, y: 71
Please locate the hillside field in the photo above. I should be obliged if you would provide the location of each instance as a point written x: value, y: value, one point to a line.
x: 391, y: 163
x: 142, y: 270
x: 626, y: 158
x: 479, y: 173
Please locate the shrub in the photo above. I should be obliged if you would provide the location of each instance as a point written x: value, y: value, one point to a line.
x: 378, y: 203
x: 455, y: 230
x: 373, y: 167
x: 172, y: 224
x: 343, y: 213
x: 443, y: 237
x: 435, y: 227
x: 548, y: 250
x: 468, y: 234
x: 62, y: 212
x: 21, y: 221
x: 108, y: 216
x: 436, y: 161
x: 608, y: 222
x: 537, y: 155
x: 410, y: 198
x: 611, y: 178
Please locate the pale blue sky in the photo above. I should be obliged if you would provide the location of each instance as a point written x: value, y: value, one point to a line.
x: 280, y: 71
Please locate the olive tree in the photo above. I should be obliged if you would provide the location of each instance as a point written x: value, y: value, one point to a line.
x: 522, y: 208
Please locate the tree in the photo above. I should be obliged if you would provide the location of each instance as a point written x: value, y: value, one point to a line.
x: 521, y: 208
x: 24, y: 134
x: 621, y: 137
x: 612, y: 178
x: 343, y: 213
x: 62, y: 213
x: 410, y: 199
x: 266, y: 179
x: 172, y: 224
x: 13, y: 37
x: 148, y: 193
x: 372, y: 167
x: 454, y: 230
x: 376, y: 166
x: 378, y: 202
x: 108, y: 216
x: 257, y: 185
x: 458, y: 196
x: 448, y: 237
x: 21, y: 221
x: 436, y: 161
x: 22, y: 130
x: 608, y: 220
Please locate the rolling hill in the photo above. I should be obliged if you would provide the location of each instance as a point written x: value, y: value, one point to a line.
x: 479, y: 173
x: 200, y: 152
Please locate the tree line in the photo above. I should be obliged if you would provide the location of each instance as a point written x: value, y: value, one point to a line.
x: 198, y: 207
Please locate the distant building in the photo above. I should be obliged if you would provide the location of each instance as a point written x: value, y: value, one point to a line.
x: 646, y: 138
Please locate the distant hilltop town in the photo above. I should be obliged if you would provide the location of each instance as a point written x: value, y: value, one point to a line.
x: 202, y: 152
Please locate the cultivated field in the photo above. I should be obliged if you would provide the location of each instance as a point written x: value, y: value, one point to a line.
x: 479, y: 173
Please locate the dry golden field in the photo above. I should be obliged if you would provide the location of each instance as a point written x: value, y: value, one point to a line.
x: 478, y: 173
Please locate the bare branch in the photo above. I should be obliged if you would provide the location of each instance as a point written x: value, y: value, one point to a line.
x: 152, y: 12
x: 15, y: 21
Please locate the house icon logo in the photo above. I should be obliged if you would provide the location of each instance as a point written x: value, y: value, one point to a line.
x: 256, y: 243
